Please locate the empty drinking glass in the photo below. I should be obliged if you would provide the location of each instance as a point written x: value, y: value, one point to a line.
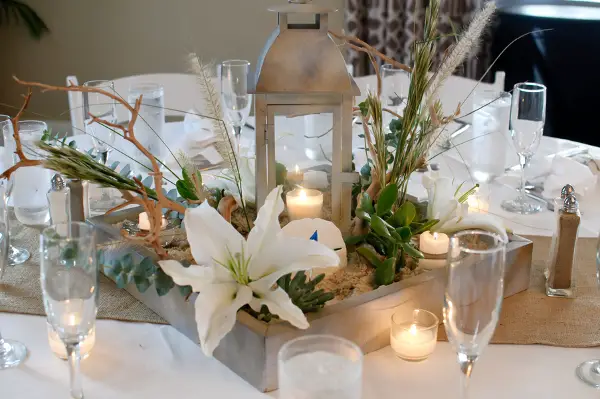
x: 30, y: 184
x: 473, y: 297
x: 103, y: 137
x: 150, y: 124
x: 12, y: 353
x: 320, y: 366
x: 527, y: 118
x: 69, y: 277
x: 234, y: 92
x: 16, y: 256
x: 394, y: 89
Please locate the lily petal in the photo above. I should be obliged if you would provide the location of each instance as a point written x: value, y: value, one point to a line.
x: 199, y: 277
x: 476, y: 221
x: 266, y: 226
x: 287, y: 255
x: 216, y: 309
x: 279, y: 303
x: 210, y: 236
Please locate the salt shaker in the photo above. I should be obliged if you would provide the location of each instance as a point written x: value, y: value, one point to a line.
x: 59, y: 199
x: 560, y: 282
x: 80, y: 200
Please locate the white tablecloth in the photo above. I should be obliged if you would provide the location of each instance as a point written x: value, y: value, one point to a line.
x: 146, y: 361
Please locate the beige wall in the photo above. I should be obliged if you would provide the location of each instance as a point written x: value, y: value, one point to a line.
x: 103, y: 39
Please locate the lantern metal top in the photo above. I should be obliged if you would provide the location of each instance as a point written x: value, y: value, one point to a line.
x: 302, y: 58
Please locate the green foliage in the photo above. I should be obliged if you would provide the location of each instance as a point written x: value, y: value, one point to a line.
x: 189, y: 186
x: 54, y: 139
x: 390, y: 233
x: 280, y: 174
x: 303, y: 293
x: 143, y: 274
x: 17, y: 12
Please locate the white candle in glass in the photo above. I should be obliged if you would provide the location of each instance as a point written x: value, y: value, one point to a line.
x: 144, y: 222
x: 58, y: 347
x: 434, y: 244
x: 413, y: 337
x: 304, y: 203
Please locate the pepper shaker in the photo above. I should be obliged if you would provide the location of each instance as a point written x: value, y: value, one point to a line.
x: 59, y: 199
x: 80, y: 201
x: 560, y: 282
x: 558, y: 204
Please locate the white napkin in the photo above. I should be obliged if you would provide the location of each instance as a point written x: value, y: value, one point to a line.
x: 198, y: 138
x: 567, y: 171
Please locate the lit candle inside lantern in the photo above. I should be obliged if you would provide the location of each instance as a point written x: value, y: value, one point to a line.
x: 304, y: 203
x: 414, y: 339
x: 434, y: 244
x: 296, y: 176
x: 144, y: 222
x: 58, y: 347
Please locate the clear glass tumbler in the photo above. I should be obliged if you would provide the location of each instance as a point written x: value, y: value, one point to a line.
x: 320, y: 366
x: 149, y: 126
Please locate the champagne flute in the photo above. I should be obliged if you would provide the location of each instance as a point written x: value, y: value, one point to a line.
x: 473, y: 297
x: 527, y: 118
x: 69, y: 278
x: 103, y: 137
x: 394, y: 86
x: 234, y: 93
x: 589, y: 371
x: 12, y: 353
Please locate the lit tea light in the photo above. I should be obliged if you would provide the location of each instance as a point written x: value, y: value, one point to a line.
x: 58, y: 347
x: 144, y: 222
x: 434, y: 244
x: 304, y: 203
x: 414, y: 339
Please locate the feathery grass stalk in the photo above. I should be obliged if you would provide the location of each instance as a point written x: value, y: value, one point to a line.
x: 224, y: 145
x: 77, y: 165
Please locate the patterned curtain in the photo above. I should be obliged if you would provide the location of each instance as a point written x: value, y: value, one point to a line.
x: 392, y: 26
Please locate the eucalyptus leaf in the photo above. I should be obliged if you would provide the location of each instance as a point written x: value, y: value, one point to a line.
x: 364, y: 108
x: 387, y: 199
x: 126, y: 171
x: 148, y: 181
x: 366, y: 203
x: 384, y: 275
x: 369, y: 255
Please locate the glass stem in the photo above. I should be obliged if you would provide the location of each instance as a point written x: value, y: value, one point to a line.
x: 237, y: 133
x: 74, y: 372
x: 2, y: 348
x: 466, y: 366
x: 523, y: 160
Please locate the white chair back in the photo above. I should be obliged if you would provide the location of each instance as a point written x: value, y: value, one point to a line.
x: 75, y: 107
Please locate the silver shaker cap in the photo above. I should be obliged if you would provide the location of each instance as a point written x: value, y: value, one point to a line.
x: 566, y: 191
x: 570, y: 204
x: 57, y: 182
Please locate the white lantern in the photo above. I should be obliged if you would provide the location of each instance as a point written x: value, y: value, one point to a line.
x: 302, y: 73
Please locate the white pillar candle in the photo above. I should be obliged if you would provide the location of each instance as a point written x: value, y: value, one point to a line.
x: 144, y: 222
x: 58, y: 347
x: 304, y: 203
x: 434, y: 244
x: 412, y: 342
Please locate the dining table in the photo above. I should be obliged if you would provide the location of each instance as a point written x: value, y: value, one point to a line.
x: 141, y: 360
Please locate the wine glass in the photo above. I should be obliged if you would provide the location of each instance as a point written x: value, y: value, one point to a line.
x: 12, y: 353
x: 234, y: 93
x: 589, y: 371
x: 394, y: 85
x: 69, y: 278
x: 527, y: 118
x: 103, y: 137
x: 473, y: 297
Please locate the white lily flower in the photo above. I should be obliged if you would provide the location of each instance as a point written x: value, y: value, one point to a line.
x: 442, y: 202
x: 236, y: 272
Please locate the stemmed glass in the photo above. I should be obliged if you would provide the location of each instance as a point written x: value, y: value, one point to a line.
x: 16, y: 256
x: 527, y: 118
x: 69, y: 278
x: 589, y: 371
x: 473, y: 297
x: 234, y: 93
x: 394, y: 82
x: 103, y: 137
x: 12, y: 353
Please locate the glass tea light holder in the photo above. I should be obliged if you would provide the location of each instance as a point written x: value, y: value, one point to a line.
x: 320, y: 366
x: 58, y: 348
x: 413, y: 337
x: 304, y: 203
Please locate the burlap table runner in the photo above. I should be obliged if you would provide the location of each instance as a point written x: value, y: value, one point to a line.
x: 527, y: 318
x: 531, y: 317
x: 20, y: 289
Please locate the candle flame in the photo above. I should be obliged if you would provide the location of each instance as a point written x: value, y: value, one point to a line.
x: 302, y: 194
x: 297, y: 169
x: 435, y: 236
x: 413, y: 329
